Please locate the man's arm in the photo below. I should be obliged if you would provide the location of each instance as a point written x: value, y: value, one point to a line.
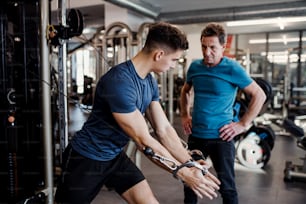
x: 258, y: 97
x: 135, y: 126
x: 185, y: 99
x: 185, y: 108
x: 167, y: 135
x: 165, y: 132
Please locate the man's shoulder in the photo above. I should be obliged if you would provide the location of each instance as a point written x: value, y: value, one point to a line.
x: 118, y: 71
x: 197, y: 62
x: 121, y: 67
x: 228, y: 60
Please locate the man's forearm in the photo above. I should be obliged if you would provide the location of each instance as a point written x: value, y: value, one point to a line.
x: 253, y: 110
x: 185, y: 108
x: 173, y: 144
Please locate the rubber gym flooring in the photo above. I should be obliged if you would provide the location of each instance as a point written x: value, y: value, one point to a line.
x: 264, y: 186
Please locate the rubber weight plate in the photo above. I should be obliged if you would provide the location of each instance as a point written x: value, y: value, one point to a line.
x: 265, y: 132
x: 252, y: 152
x: 75, y: 22
x: 239, y: 108
x: 266, y: 87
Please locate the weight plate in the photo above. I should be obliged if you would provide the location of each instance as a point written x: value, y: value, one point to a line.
x: 252, y: 152
x: 266, y: 87
x: 239, y: 108
x: 75, y: 22
x: 266, y: 151
x: 265, y: 132
x: 287, y: 171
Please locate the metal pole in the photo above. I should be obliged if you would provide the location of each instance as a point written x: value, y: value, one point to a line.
x: 299, y: 65
x: 286, y: 87
x: 265, y: 70
x: 248, y: 61
x: 46, y: 101
x: 62, y: 82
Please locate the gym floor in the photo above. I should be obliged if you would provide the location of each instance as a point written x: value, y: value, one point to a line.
x: 265, y: 186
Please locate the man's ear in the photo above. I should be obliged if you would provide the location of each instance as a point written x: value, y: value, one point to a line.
x: 158, y: 54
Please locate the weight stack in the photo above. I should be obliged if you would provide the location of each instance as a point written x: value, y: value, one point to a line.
x: 21, y: 154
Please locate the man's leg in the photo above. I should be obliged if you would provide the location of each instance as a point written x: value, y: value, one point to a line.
x: 193, y: 144
x: 189, y: 196
x: 140, y: 193
x: 222, y: 154
x: 80, y: 181
x: 129, y: 182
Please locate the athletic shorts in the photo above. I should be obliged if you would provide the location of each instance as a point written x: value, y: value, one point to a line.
x: 82, y: 178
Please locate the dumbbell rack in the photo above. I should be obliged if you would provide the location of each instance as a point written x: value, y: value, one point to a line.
x: 295, y: 171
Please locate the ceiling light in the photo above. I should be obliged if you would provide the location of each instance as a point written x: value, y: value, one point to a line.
x: 281, y: 22
x: 139, y: 6
x: 281, y: 57
x: 276, y: 40
x: 283, y: 53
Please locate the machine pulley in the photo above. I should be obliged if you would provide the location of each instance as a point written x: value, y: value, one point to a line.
x: 59, y: 32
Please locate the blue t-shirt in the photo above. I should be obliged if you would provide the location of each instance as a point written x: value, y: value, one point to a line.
x: 120, y: 90
x: 215, y: 90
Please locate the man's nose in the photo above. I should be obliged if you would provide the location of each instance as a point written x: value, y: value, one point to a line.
x: 207, y: 51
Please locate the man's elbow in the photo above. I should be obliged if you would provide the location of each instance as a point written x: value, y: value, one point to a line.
x: 262, y: 97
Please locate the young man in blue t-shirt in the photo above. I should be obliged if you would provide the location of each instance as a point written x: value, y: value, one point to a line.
x: 96, y: 157
x: 215, y: 80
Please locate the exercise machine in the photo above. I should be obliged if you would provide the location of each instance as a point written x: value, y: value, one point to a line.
x: 290, y: 128
x: 20, y: 84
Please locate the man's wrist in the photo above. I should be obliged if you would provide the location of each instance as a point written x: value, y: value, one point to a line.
x: 184, y: 113
x: 186, y: 164
x: 190, y: 163
x: 245, y: 125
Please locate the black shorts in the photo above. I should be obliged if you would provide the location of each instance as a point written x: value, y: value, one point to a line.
x: 82, y: 178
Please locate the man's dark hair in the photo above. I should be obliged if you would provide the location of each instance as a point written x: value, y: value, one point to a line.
x: 214, y: 29
x: 162, y: 34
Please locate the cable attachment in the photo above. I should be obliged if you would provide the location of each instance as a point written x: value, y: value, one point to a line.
x: 172, y: 165
x: 189, y: 164
x: 165, y: 161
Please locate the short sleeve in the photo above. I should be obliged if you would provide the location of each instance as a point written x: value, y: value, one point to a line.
x: 120, y: 95
x: 242, y: 78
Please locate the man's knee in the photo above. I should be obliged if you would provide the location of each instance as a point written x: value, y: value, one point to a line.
x: 140, y: 193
